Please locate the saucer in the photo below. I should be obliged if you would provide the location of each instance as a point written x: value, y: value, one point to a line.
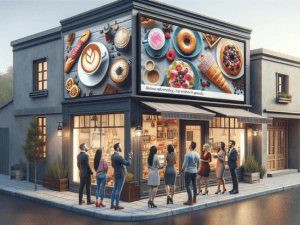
x: 161, y: 76
x: 162, y: 51
x: 89, y: 80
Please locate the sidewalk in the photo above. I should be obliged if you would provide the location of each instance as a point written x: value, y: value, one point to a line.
x: 139, y: 210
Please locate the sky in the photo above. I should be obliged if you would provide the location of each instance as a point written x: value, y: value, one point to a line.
x: 275, y: 24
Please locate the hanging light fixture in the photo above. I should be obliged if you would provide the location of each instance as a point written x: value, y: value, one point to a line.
x: 139, y: 130
x: 59, y: 130
x: 255, y: 132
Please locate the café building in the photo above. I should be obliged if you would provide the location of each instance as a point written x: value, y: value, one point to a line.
x: 138, y: 73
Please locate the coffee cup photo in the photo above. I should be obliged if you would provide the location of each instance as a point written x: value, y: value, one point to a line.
x: 122, y: 39
x: 149, y: 65
x: 156, y: 40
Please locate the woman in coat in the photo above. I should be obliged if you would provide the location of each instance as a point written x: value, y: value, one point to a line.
x: 100, y: 166
x: 153, y: 178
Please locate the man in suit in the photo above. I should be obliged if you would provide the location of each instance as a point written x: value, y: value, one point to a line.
x: 232, y: 158
x: 85, y: 173
x: 118, y: 163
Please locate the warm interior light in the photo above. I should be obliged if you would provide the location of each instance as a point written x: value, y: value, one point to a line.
x: 59, y: 130
x: 138, y: 130
x: 255, y: 132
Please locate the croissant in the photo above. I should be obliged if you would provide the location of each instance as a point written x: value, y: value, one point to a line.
x: 210, y: 68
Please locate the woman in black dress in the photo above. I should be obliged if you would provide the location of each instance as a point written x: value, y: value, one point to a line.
x: 170, y: 172
x: 205, y: 168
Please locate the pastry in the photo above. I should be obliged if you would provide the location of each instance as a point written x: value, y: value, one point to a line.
x: 74, y: 91
x: 145, y: 20
x: 76, y: 51
x: 211, y: 40
x: 231, y: 57
x: 186, y: 34
x: 70, y: 40
x: 69, y: 83
x: 170, y: 55
x: 109, y: 90
x: 180, y: 75
x: 210, y: 68
x: 119, y: 72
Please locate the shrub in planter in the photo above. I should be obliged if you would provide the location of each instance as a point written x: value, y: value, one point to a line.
x: 130, y: 191
x: 251, y: 170
x: 56, y: 176
x: 262, y: 172
x: 19, y: 171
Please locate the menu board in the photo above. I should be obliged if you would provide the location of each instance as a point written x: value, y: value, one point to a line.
x: 188, y: 63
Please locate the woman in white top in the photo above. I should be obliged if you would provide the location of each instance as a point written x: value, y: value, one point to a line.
x: 153, y: 178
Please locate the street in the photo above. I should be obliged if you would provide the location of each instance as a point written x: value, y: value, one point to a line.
x: 278, y: 208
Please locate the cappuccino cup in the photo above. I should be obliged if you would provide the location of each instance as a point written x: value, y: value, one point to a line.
x: 149, y: 65
x: 156, y: 40
x: 91, y: 58
x: 122, y: 39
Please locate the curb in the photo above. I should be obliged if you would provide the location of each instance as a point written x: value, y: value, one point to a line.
x: 139, y: 216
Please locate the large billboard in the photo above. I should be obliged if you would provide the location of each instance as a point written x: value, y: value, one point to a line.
x: 178, y: 61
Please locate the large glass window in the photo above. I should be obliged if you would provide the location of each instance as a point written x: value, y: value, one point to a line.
x: 159, y: 132
x: 42, y: 126
x: 98, y: 132
x: 223, y: 129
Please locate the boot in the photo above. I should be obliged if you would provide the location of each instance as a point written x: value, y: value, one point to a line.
x: 194, y: 200
x: 188, y: 202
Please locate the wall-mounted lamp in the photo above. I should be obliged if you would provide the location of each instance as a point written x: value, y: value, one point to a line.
x: 59, y: 130
x: 255, y: 132
x: 139, y: 130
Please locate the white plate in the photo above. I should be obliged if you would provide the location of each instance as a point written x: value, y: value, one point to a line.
x: 89, y: 80
x: 161, y: 76
x: 241, y: 73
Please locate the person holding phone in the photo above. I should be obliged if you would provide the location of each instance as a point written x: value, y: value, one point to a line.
x: 101, y: 167
x: 220, y: 167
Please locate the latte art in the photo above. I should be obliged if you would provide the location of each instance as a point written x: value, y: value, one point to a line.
x: 91, y: 58
x: 122, y: 38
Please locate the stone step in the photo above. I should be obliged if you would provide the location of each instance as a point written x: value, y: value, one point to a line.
x: 277, y: 173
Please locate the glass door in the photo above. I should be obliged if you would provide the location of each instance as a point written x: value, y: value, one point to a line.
x: 191, y: 132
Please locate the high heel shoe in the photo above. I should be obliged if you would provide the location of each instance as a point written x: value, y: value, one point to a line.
x: 171, y: 200
x: 224, y: 191
x: 101, y: 204
x: 168, y: 199
x: 152, y: 205
x: 199, y: 192
x: 205, y: 193
x: 218, y: 192
x: 97, y: 204
x: 149, y: 204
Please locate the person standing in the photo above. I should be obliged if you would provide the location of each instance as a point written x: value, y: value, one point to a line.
x: 191, y: 162
x: 232, y: 158
x: 170, y: 172
x: 220, y: 167
x: 118, y: 163
x: 153, y: 178
x: 205, y: 168
x: 100, y: 166
x: 85, y: 174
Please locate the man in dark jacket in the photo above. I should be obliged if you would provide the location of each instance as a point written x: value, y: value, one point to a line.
x: 118, y: 163
x: 85, y: 173
x: 232, y: 158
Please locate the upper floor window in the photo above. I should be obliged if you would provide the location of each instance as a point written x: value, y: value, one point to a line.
x: 282, y: 85
x: 40, y: 73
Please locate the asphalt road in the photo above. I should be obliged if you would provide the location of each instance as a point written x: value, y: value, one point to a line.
x: 276, y: 209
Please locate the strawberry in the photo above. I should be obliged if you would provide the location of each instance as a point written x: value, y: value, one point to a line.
x: 202, y: 56
x: 226, y: 58
x: 203, y: 84
x: 167, y: 35
x: 229, y: 67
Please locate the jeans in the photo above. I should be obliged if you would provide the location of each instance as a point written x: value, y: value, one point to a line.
x: 101, y: 180
x: 234, y: 179
x: 85, y: 181
x: 188, y: 178
x: 117, y: 190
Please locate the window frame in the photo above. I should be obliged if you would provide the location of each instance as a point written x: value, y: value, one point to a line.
x: 43, y: 126
x: 284, y: 84
x: 36, y: 74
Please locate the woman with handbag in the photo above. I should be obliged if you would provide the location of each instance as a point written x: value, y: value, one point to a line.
x: 101, y: 167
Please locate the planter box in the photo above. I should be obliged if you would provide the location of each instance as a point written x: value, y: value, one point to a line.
x: 19, y: 175
x: 130, y: 192
x: 56, y: 184
x: 284, y: 100
x: 251, y: 178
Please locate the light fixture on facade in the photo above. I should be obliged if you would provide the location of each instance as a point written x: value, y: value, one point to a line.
x: 255, y: 132
x: 59, y: 130
x: 139, y: 130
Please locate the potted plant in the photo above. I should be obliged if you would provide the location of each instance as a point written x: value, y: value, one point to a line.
x: 56, y: 176
x: 19, y: 171
x: 130, y: 191
x: 251, y: 170
x: 284, y: 98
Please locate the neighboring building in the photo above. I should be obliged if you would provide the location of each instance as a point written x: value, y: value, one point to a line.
x: 106, y: 107
x: 274, y: 91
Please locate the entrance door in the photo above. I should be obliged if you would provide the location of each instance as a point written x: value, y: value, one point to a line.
x: 191, y: 131
x: 277, y: 145
x: 4, y: 151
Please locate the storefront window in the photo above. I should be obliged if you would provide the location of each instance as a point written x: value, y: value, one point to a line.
x: 159, y: 132
x: 98, y: 132
x: 224, y: 129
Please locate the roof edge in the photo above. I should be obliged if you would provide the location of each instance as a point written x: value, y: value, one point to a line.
x: 6, y: 103
x: 273, y: 54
